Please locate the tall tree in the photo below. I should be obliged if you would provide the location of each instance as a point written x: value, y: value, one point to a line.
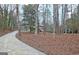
x: 56, y: 17
x: 64, y: 17
x: 17, y: 12
x: 72, y: 18
x: 11, y: 20
x: 62, y: 22
x: 78, y: 9
x: 44, y: 18
x: 30, y: 16
x: 48, y: 14
x: 78, y: 13
x: 36, y: 18
x: 1, y: 18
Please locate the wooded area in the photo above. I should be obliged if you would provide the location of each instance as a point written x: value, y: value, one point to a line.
x: 34, y: 13
x: 69, y: 24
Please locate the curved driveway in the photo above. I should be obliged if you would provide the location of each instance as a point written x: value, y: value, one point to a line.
x: 9, y: 43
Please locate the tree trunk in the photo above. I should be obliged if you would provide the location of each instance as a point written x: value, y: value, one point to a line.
x: 62, y: 23
x: 78, y: 14
x: 18, y: 22
x: 56, y: 18
x: 65, y: 17
x: 78, y: 9
x: 71, y: 16
x: 44, y: 19
x: 36, y: 18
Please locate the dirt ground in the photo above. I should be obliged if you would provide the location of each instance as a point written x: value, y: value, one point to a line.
x: 52, y: 44
x: 4, y: 32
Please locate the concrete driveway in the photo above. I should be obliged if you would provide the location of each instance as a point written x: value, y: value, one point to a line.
x: 10, y: 44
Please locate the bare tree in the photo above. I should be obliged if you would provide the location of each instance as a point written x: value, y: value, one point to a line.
x: 11, y: 16
x: 56, y: 18
x: 78, y: 9
x: 71, y: 16
x: 18, y: 22
x: 44, y: 18
x: 1, y: 17
x: 78, y: 13
x: 64, y: 17
x: 62, y: 22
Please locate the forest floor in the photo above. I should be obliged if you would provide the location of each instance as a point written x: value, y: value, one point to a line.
x: 4, y: 32
x: 49, y: 43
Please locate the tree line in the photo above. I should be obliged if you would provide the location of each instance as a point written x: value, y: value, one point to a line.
x: 68, y: 25
x: 8, y: 17
x: 34, y: 13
